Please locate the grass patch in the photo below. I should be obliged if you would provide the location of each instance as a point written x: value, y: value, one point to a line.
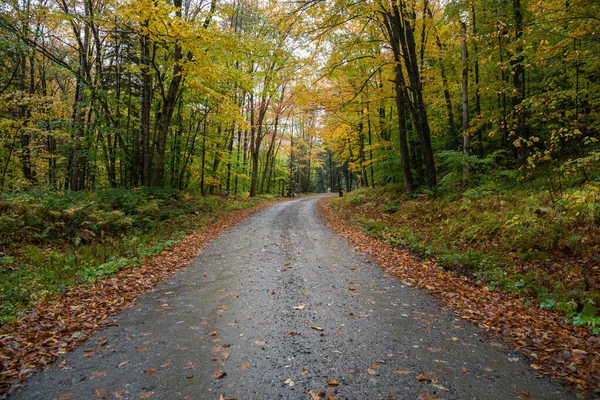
x: 52, y: 241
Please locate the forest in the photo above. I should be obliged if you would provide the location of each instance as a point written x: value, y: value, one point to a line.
x: 465, y: 130
x: 458, y: 140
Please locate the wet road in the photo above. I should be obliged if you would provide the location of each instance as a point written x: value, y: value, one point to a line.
x: 280, y: 307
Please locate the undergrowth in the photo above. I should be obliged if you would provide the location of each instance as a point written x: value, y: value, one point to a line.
x: 52, y: 241
x: 519, y: 238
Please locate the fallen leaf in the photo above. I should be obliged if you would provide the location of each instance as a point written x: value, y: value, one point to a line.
x: 225, y: 356
x: 371, y: 371
x: 443, y: 388
x: 421, y: 377
x: 213, y: 333
x: 142, y: 350
x: 219, y: 374
x: 317, y: 328
x: 145, y: 395
x: 332, y: 382
x: 98, y: 374
x: 122, y: 363
x: 304, y: 372
x: 314, y: 396
x: 62, y: 364
x: 165, y: 365
x: 88, y: 353
x: 289, y: 382
x: 300, y: 307
x: 245, y: 366
x: 259, y: 342
x: 99, y: 392
x: 523, y: 394
x: 150, y: 371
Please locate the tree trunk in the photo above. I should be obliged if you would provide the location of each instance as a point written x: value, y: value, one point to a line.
x: 518, y: 70
x: 465, y: 101
x: 145, y: 106
x: 24, y: 116
x: 477, y: 91
x: 361, y: 151
x: 370, y: 142
x: 77, y: 163
x: 409, y: 184
x: 418, y: 108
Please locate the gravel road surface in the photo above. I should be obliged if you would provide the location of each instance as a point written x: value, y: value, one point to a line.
x: 280, y: 307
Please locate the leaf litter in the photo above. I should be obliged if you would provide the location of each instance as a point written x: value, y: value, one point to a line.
x: 555, y: 348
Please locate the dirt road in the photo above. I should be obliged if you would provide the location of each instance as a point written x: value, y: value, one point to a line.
x: 280, y: 307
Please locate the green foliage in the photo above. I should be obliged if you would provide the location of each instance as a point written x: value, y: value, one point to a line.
x: 588, y: 317
x: 391, y: 208
x: 158, y: 248
x: 90, y: 274
x: 548, y: 304
x: 356, y: 200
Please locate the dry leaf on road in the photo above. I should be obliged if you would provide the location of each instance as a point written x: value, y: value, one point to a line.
x: 219, y: 374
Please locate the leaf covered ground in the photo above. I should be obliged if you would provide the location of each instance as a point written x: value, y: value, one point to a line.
x: 60, y: 323
x: 552, y: 346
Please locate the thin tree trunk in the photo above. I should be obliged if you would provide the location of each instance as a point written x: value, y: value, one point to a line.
x: 518, y: 70
x: 78, y: 155
x: 370, y: 139
x: 465, y: 101
x: 477, y: 90
x: 145, y: 106
x: 401, y: 110
x: 364, y: 181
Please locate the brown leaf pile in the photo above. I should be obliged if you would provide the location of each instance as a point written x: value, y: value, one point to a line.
x: 60, y: 323
x: 553, y: 347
